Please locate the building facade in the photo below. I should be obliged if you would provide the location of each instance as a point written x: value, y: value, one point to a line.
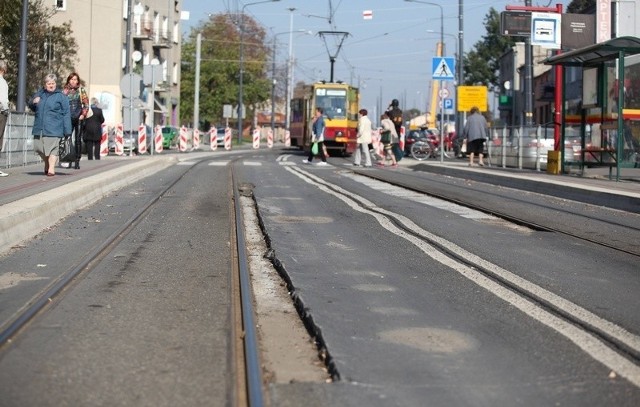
x: 116, y: 38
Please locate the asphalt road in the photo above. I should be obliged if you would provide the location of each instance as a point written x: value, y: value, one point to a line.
x: 150, y: 325
x: 417, y: 300
x: 407, y: 325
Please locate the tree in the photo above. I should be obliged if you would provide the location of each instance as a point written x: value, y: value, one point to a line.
x: 481, y: 65
x: 50, y: 49
x: 220, y: 65
x: 580, y: 6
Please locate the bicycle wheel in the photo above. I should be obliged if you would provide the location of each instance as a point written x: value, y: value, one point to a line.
x: 420, y: 150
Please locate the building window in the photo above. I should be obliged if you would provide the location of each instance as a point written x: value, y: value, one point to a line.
x: 61, y: 5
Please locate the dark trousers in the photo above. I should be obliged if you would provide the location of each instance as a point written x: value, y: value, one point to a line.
x: 77, y: 127
x: 3, y: 123
x: 93, y: 149
x: 320, y: 152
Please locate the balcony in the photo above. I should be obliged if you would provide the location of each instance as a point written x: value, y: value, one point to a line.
x: 142, y: 30
x: 161, y: 39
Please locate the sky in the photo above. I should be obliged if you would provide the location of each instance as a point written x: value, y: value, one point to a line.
x: 388, y: 56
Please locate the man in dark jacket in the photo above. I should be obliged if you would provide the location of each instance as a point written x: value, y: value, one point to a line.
x: 395, y: 114
x: 93, y: 131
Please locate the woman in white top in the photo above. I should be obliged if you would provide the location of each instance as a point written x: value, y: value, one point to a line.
x: 364, y: 139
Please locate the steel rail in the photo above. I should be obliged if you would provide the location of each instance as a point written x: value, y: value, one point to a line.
x: 380, y: 176
x: 47, y: 296
x: 252, y: 360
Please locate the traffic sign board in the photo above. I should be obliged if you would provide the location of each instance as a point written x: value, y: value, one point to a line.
x: 131, y: 85
x: 443, y: 68
x: 444, y: 93
x: 448, y: 103
x: 470, y: 96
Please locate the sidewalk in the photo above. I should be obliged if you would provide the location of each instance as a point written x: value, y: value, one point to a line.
x: 31, y: 201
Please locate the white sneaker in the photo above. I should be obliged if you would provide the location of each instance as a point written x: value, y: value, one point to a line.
x: 305, y: 161
x: 322, y: 163
x: 3, y: 174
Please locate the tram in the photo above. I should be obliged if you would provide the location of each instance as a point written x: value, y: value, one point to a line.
x: 340, y: 103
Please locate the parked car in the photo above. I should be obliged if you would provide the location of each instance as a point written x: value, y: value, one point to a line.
x: 534, y: 149
x: 169, y: 136
x: 220, y: 136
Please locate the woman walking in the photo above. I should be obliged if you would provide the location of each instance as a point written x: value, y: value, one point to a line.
x: 52, y: 122
x: 364, y: 139
x: 79, y: 107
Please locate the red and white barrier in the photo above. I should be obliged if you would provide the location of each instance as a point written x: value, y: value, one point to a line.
x: 182, y: 143
x: 270, y: 138
x: 119, y: 150
x: 287, y: 138
x: 142, y: 139
x: 378, y: 148
x: 104, y: 141
x: 402, y: 133
x: 227, y: 138
x: 256, y: 138
x: 159, y: 140
x: 196, y: 139
x: 213, y: 138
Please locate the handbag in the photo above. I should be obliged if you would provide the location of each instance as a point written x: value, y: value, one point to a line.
x: 314, y: 149
x: 385, y: 137
x: 66, y: 150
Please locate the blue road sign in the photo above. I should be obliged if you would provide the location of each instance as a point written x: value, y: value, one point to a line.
x: 443, y: 68
x: 448, y: 103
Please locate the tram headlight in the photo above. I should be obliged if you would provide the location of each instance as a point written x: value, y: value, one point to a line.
x: 339, y: 133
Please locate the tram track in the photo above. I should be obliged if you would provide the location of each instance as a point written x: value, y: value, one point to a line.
x: 448, y: 192
x: 244, y: 343
x: 603, y: 340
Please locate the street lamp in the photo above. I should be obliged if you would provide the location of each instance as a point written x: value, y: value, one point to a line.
x: 240, y: 101
x: 441, y: 81
x: 273, y: 73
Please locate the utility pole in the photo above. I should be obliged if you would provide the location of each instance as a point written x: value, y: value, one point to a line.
x: 22, y: 61
x: 528, y: 78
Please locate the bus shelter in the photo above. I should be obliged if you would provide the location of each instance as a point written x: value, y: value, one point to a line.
x: 606, y: 108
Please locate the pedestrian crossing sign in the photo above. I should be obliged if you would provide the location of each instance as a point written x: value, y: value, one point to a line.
x: 443, y: 68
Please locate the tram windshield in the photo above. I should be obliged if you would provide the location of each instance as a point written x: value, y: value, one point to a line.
x: 333, y: 102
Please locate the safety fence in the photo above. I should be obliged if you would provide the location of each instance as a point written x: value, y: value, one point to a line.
x: 521, y: 147
x: 17, y: 148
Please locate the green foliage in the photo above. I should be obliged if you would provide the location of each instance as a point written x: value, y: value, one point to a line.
x: 60, y: 59
x: 580, y: 6
x: 220, y: 66
x: 481, y: 65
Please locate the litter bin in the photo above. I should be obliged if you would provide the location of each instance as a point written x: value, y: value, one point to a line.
x: 553, y: 162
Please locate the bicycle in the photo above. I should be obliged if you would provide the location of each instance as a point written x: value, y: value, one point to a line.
x: 423, y: 149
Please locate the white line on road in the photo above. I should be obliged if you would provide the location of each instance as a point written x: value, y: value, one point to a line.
x: 589, y: 343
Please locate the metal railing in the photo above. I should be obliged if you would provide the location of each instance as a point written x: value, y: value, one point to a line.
x: 519, y: 147
x: 17, y: 148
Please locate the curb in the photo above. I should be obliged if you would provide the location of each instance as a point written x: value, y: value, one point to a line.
x: 21, y: 220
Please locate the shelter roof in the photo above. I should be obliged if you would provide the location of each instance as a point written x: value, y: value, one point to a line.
x: 593, y: 55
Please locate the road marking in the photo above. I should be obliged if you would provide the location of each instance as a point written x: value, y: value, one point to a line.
x: 586, y: 341
x: 419, y: 198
